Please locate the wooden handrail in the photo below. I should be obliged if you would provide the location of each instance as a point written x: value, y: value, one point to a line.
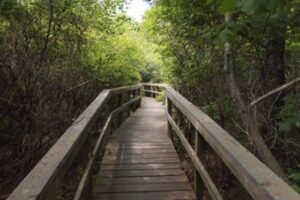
x: 42, y: 181
x: 257, y: 178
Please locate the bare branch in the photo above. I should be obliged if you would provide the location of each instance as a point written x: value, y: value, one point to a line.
x: 283, y: 87
x: 79, y: 85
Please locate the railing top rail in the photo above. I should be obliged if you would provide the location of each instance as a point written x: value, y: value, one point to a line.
x: 154, y: 84
x: 124, y: 89
x: 257, y: 178
x: 51, y: 168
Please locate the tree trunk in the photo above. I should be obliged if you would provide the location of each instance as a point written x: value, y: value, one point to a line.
x: 273, y: 76
x: 247, y: 116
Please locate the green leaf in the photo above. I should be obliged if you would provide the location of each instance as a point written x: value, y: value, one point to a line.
x: 255, y: 23
x: 296, y: 188
x: 273, y: 5
x: 285, y: 126
x: 295, y: 176
x: 226, y: 35
x: 250, y: 6
x: 227, y: 6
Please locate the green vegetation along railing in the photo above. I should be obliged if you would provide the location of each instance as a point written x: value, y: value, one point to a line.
x: 42, y: 182
x: 260, y: 182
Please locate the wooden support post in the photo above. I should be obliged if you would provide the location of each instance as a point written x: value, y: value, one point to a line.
x: 133, y: 107
x: 157, y: 90
x: 89, y: 191
x: 129, y: 108
x: 139, y: 93
x: 151, y: 89
x: 120, y: 102
x: 198, y: 183
x: 169, y: 111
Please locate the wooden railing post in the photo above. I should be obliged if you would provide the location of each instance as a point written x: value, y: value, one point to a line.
x: 129, y: 108
x: 139, y: 92
x: 152, y: 94
x: 134, y: 94
x: 198, y: 183
x: 120, y: 102
x: 169, y: 111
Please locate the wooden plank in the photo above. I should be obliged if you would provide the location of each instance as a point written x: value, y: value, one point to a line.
x: 140, y: 166
x: 139, y: 136
x: 151, y: 91
x: 116, y: 156
x: 143, y: 188
x: 199, y: 186
x: 124, y: 89
x: 132, y: 173
x: 133, y: 140
x: 170, y: 195
x: 99, y: 181
x: 155, y: 150
x: 117, y: 144
x: 127, y: 146
x: 142, y: 161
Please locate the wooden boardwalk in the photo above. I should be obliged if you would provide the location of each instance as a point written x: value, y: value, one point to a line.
x: 140, y: 161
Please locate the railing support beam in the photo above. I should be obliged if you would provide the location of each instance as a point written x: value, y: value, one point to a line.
x: 198, y: 183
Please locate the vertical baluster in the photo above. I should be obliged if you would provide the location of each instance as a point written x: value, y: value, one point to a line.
x: 169, y: 111
x: 151, y: 88
x: 128, y: 99
x: 198, y: 183
x: 139, y: 94
x: 120, y: 102
x: 133, y: 107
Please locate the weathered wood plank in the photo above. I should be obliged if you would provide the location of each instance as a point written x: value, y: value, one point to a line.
x: 132, y: 173
x: 141, y: 166
x: 170, y: 195
x: 144, y: 188
x: 142, y: 161
x: 120, y: 155
x: 134, y: 140
x: 128, y: 146
x: 99, y: 181
x: 154, y: 150
x: 117, y: 144
x: 151, y: 91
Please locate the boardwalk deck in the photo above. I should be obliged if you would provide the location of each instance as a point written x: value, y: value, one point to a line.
x: 140, y: 161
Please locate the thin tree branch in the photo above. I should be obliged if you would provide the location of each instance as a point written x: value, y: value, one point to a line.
x: 79, y: 85
x: 283, y: 87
